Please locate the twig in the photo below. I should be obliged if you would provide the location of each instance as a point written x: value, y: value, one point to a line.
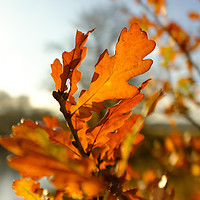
x: 61, y: 100
x: 191, y: 120
x: 184, y: 50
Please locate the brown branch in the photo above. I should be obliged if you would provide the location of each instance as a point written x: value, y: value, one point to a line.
x: 61, y: 100
x: 184, y: 51
x: 188, y: 56
x: 191, y: 120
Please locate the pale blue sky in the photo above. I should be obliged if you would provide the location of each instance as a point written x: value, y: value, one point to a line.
x: 27, y: 27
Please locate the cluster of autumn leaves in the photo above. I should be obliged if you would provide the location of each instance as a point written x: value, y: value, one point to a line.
x: 87, y: 162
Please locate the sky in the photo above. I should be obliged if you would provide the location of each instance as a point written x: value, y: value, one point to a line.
x: 27, y: 29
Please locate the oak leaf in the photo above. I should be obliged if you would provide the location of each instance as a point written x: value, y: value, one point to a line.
x: 27, y: 189
x: 30, y: 143
x: 58, y: 135
x: 113, y: 120
x: 131, y: 131
x: 132, y: 47
x: 151, y: 103
x: 69, y: 69
x: 111, y: 130
x: 57, y: 70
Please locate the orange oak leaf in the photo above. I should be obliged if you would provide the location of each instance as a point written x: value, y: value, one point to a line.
x: 116, y: 139
x: 69, y: 69
x: 151, y: 103
x: 106, y: 133
x: 114, y: 119
x: 57, y: 70
x: 36, y: 156
x: 131, y: 131
x: 82, y: 127
x: 29, y: 189
x: 110, y: 150
x: 111, y: 76
x: 59, y: 195
x: 51, y: 122
x: 58, y: 135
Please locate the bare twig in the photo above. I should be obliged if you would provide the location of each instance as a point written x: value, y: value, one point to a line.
x: 191, y: 120
x: 61, y: 100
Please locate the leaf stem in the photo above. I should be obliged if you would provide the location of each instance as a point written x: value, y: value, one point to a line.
x: 61, y: 100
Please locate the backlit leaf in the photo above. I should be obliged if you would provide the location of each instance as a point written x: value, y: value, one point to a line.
x: 132, y: 47
x: 116, y: 139
x: 27, y: 189
x: 151, y: 103
x: 57, y: 70
x: 36, y: 156
x: 114, y: 119
x: 126, y: 147
x: 69, y: 69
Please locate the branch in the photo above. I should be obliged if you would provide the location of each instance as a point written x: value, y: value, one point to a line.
x: 61, y: 100
x: 183, y: 49
x: 191, y: 120
x: 185, y: 52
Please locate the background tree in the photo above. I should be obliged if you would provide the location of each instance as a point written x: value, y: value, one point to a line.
x: 179, y: 76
